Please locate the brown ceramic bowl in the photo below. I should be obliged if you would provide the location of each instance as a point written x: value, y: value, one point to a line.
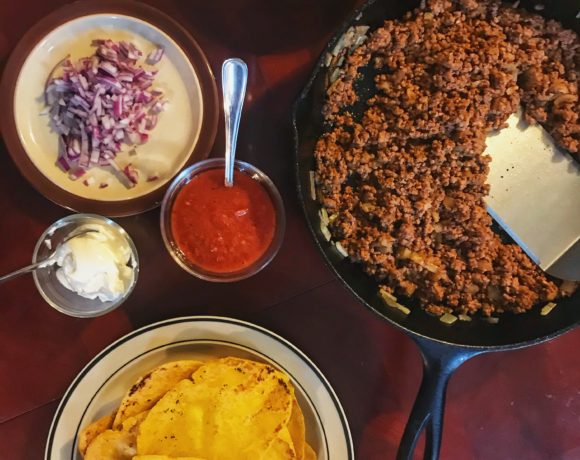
x: 186, y: 129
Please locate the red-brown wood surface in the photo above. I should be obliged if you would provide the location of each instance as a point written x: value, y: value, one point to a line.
x: 518, y: 405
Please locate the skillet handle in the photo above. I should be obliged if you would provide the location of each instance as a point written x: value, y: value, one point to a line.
x: 439, y: 362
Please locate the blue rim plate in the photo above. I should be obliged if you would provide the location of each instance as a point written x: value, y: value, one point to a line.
x: 99, y: 387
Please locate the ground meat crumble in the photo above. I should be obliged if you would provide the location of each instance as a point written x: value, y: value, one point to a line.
x: 405, y: 182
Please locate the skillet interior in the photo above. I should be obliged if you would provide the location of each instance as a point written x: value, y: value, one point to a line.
x: 512, y: 330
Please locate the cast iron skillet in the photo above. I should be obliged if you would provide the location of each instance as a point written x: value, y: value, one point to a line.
x: 443, y: 347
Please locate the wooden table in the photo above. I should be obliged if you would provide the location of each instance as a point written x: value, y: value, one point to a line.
x: 517, y: 405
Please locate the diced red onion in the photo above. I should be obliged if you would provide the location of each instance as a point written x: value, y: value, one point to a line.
x: 64, y: 163
x: 89, y: 181
x: 78, y: 101
x: 118, y: 106
x: 95, y: 154
x: 77, y: 173
x: 83, y: 82
x: 131, y: 173
x: 101, y: 102
x: 158, y: 107
x: 155, y: 56
x: 107, y: 122
x: 93, y: 120
x: 144, y: 96
x: 121, y: 173
x: 107, y: 53
x: 84, y: 160
x: 109, y: 68
x: 134, y: 138
x: 78, y: 112
x: 84, y: 141
x: 75, y: 145
x: 125, y: 76
x: 151, y: 122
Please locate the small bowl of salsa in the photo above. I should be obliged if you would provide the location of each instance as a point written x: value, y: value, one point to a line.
x: 220, y: 233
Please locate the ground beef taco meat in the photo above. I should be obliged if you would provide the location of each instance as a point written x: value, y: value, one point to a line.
x: 405, y: 183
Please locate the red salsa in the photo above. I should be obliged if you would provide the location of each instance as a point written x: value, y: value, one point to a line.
x: 223, y: 229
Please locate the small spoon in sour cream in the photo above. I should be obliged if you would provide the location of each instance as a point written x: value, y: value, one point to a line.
x: 234, y: 81
x: 48, y: 261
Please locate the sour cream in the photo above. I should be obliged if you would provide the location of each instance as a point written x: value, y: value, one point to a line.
x: 95, y: 265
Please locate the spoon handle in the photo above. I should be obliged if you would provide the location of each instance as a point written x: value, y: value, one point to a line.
x: 49, y: 260
x: 21, y: 271
x: 234, y: 81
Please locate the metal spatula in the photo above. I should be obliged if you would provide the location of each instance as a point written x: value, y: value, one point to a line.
x: 535, y: 196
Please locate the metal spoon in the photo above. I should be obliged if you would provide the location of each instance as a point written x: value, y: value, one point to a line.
x: 49, y: 260
x: 234, y: 81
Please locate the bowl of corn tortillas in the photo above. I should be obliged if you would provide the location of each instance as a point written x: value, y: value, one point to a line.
x: 224, y: 408
x: 200, y: 388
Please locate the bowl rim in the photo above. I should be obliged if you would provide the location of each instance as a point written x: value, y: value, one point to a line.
x: 71, y: 219
x: 77, y: 10
x: 268, y: 255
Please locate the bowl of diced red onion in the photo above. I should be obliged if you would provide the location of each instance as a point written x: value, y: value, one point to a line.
x: 106, y: 108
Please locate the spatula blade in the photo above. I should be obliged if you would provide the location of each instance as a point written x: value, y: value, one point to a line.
x: 535, y: 195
